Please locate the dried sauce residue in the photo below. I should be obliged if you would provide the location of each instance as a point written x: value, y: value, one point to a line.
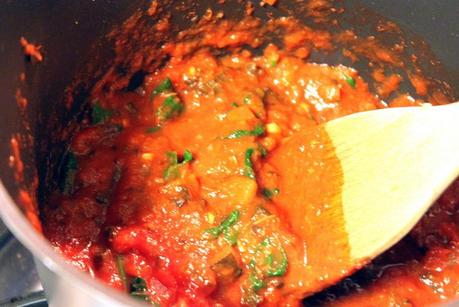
x: 27, y: 186
x: 370, y: 48
x: 21, y: 100
x: 419, y: 83
x: 29, y: 206
x: 31, y: 50
x: 322, y: 11
x: 153, y: 8
x: 269, y: 2
x: 386, y: 84
x: 15, y: 160
x: 25, y: 198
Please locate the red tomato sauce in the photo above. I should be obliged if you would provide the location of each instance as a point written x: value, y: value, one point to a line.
x: 186, y: 190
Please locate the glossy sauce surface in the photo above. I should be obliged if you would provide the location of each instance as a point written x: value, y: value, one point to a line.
x: 185, y: 190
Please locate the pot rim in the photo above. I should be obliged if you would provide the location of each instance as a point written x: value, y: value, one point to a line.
x: 42, y: 250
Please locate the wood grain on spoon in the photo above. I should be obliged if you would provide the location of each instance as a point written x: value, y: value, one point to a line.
x: 395, y: 163
x: 380, y: 172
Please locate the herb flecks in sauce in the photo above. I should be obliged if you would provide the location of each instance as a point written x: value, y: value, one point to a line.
x: 70, y: 167
x: 171, y: 108
x: 99, y: 114
x: 121, y: 270
x: 257, y: 131
x: 164, y: 86
x: 232, y: 219
x: 256, y: 283
x: 270, y: 193
x: 227, y: 269
x: 138, y: 289
x: 248, y: 165
x: 351, y: 81
x: 172, y: 171
x: 187, y: 156
x: 153, y: 129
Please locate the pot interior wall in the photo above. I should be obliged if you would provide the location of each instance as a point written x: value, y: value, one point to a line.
x: 66, y: 30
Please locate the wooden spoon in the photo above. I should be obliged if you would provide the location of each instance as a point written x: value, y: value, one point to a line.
x: 395, y: 162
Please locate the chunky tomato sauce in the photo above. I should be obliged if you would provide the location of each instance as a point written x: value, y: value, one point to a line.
x: 186, y: 190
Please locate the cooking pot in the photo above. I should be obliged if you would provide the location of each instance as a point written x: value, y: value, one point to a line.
x: 72, y: 34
